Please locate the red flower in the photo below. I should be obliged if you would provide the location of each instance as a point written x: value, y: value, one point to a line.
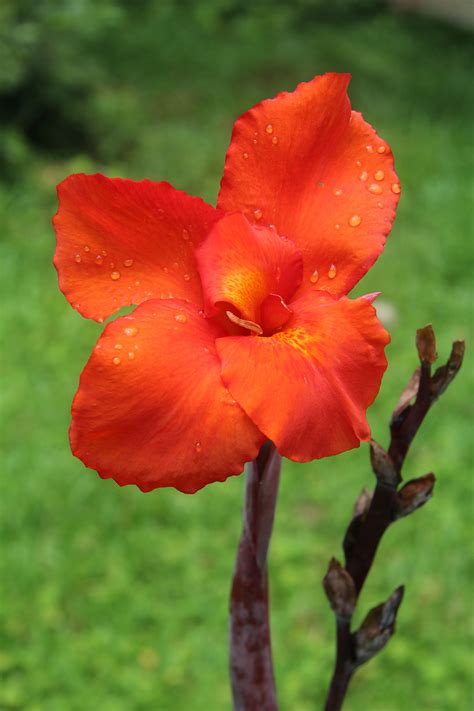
x: 243, y: 330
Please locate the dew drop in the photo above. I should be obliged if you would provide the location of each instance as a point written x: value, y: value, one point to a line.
x: 338, y: 192
x: 364, y: 175
x: 166, y: 270
x: 87, y: 248
x: 396, y: 188
x: 130, y: 331
x: 278, y: 274
x: 137, y: 283
x: 332, y: 271
x: 381, y: 149
x: 337, y: 226
x: 185, y: 235
x: 206, y: 350
x: 131, y: 355
x: 128, y: 263
x: 181, y: 318
x: 375, y: 189
x: 198, y: 446
x: 246, y: 155
x: 269, y: 129
x: 358, y: 163
x: 104, y: 253
x: 100, y: 319
x: 355, y: 220
x: 99, y: 259
x: 115, y: 275
x: 118, y: 346
x: 380, y: 204
x: 112, y: 265
x: 258, y: 214
x: 186, y: 277
x: 275, y: 140
x: 78, y: 258
x: 254, y: 140
x: 314, y: 277
x: 116, y: 360
x: 369, y: 149
x: 379, y: 175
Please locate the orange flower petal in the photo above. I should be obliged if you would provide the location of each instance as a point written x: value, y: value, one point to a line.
x: 151, y: 408
x: 308, y: 387
x: 241, y: 265
x: 121, y: 242
x: 318, y: 172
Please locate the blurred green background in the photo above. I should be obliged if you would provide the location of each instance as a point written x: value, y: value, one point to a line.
x: 116, y: 600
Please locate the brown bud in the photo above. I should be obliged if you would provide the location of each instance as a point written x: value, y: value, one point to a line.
x: 362, y: 503
x: 377, y: 628
x: 414, y: 494
x: 426, y: 344
x: 446, y: 373
x: 383, y: 466
x: 340, y: 589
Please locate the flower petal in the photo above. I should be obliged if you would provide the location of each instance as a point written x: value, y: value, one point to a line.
x: 241, y: 265
x: 151, y: 408
x: 308, y: 386
x: 121, y: 242
x: 318, y: 172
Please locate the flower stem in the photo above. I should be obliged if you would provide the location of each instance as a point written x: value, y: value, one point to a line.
x: 251, y: 667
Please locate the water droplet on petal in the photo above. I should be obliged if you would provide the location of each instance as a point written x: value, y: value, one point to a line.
x: 87, y: 248
x: 278, y: 274
x: 358, y: 163
x: 104, y: 253
x: 186, y: 277
x: 118, y: 346
x: 198, y: 446
x: 116, y: 360
x: 369, y: 149
x: 246, y: 155
x: 379, y: 175
x: 258, y: 214
x: 137, y: 283
x: 100, y: 320
x: 254, y: 140
x: 128, y: 263
x: 206, y: 350
x: 99, y: 259
x: 332, y: 271
x: 314, y: 277
x: 275, y: 140
x: 338, y: 192
x: 375, y: 189
x: 381, y: 149
x: 185, y: 234
x: 130, y: 331
x: 78, y: 258
x: 181, y: 318
x: 396, y: 188
x: 115, y: 276
x: 166, y: 270
x: 337, y: 226
x: 380, y: 204
x: 364, y: 175
x: 131, y: 355
x: 269, y: 129
x: 355, y: 220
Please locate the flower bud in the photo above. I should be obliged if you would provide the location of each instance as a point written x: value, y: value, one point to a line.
x: 340, y: 589
x: 377, y: 628
x: 383, y: 466
x: 414, y: 494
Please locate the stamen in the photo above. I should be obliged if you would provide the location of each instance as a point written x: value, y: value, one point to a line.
x: 250, y: 325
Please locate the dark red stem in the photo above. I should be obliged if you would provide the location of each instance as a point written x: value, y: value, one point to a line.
x: 251, y: 667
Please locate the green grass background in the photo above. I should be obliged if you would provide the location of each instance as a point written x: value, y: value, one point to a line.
x: 116, y: 600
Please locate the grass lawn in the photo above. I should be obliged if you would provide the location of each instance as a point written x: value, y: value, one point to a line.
x: 115, y: 600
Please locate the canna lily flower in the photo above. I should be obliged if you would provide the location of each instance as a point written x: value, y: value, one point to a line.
x: 242, y: 330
